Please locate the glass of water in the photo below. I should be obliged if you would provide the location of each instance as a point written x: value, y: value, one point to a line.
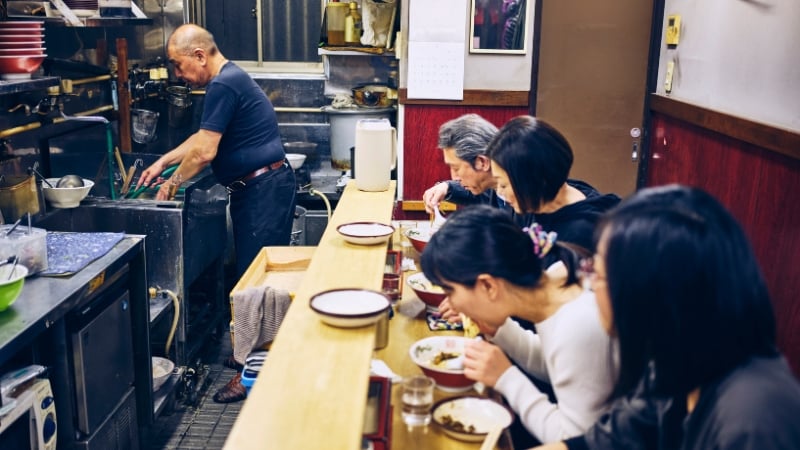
x: 417, y: 400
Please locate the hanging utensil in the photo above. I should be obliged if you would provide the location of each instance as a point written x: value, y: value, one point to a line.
x: 14, y: 227
x: 38, y: 174
x: 13, y: 268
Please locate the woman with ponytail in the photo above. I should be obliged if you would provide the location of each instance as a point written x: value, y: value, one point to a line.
x: 492, y: 270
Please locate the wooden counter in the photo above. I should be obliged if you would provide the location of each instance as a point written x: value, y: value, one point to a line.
x: 311, y: 392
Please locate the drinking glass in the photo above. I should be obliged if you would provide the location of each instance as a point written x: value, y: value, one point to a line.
x: 417, y: 400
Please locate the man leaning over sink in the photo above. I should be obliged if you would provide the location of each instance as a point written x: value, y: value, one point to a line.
x: 239, y: 137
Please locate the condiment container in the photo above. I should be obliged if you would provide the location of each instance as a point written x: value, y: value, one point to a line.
x: 29, y: 245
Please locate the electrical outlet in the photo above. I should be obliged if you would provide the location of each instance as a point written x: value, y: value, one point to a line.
x: 668, y: 76
x: 673, y: 34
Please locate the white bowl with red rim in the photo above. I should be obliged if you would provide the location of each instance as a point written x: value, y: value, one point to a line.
x: 365, y: 233
x: 441, y: 358
x: 350, y: 307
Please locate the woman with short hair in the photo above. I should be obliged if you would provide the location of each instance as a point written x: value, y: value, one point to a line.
x: 531, y: 161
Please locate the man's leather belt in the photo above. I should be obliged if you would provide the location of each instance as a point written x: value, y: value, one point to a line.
x: 274, y: 166
x: 241, y: 182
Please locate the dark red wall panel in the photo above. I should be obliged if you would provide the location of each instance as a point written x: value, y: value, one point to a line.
x: 422, y: 160
x: 761, y: 188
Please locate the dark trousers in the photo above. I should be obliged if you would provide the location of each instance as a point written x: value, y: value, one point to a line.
x: 262, y: 214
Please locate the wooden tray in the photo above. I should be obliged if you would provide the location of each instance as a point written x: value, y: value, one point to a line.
x: 278, y: 267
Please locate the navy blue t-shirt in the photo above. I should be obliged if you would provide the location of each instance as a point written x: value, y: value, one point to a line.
x: 237, y: 107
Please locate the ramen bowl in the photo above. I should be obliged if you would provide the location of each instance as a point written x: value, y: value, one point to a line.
x: 470, y: 419
x: 431, y: 294
x: 441, y: 358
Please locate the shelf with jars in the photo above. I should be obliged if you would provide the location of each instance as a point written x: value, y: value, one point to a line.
x: 58, y: 12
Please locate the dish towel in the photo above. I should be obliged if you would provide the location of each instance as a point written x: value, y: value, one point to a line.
x: 257, y: 315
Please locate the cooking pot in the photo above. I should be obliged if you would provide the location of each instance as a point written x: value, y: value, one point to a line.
x: 374, y: 95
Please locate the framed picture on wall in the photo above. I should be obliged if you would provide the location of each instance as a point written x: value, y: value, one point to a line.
x: 498, y: 26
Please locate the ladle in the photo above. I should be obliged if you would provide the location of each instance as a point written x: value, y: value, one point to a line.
x: 38, y: 174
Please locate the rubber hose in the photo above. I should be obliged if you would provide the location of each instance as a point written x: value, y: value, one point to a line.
x: 313, y: 191
x: 177, y: 306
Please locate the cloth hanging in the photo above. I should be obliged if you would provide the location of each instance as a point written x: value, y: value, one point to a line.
x: 257, y: 316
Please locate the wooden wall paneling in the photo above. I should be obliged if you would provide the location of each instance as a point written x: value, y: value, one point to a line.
x: 686, y: 154
x: 760, y: 187
x: 422, y: 160
x: 776, y: 239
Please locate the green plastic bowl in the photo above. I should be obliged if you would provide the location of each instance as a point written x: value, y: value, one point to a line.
x: 10, y: 288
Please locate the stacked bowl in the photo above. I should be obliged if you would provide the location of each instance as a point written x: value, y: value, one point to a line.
x: 21, y: 48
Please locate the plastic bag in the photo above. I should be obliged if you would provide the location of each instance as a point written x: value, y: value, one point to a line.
x: 377, y: 21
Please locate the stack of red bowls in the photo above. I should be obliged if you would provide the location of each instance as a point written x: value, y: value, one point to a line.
x: 21, y: 48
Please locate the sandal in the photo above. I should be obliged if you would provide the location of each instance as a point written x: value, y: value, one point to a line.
x: 231, y: 392
x: 230, y: 363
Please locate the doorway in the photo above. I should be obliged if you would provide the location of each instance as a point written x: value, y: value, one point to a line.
x: 592, y: 84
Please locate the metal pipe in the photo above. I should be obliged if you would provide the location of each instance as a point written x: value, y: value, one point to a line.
x: 297, y: 109
x: 90, y: 80
x: 34, y: 125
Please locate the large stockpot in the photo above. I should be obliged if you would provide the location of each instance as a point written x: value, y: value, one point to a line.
x: 343, y: 130
x: 374, y: 95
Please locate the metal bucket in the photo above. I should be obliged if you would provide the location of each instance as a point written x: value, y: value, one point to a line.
x: 144, y: 123
x: 180, y: 102
x: 18, y: 196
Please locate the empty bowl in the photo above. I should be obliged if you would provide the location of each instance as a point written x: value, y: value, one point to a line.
x: 10, y: 288
x: 418, y: 237
x: 350, y: 308
x: 162, y: 369
x: 365, y: 233
x: 428, y: 292
x: 66, y: 197
x: 470, y: 418
x: 441, y: 358
x: 296, y: 160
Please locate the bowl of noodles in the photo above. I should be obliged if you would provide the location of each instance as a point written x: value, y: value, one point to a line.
x: 428, y: 292
x: 442, y: 358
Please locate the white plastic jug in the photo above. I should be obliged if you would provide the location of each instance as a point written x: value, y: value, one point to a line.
x: 375, y: 154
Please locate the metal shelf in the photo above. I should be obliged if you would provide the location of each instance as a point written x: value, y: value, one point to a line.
x: 355, y: 51
x: 30, y: 84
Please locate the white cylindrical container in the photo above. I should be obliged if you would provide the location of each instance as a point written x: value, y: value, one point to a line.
x: 375, y: 154
x: 343, y: 130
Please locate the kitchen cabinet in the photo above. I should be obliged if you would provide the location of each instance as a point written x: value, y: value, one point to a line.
x: 55, y: 317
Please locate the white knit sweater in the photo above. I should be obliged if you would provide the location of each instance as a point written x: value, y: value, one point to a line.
x: 573, y: 353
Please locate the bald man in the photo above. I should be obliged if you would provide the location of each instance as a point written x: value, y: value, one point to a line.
x: 239, y: 137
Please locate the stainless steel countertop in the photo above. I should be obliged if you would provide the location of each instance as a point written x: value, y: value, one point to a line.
x: 45, y: 300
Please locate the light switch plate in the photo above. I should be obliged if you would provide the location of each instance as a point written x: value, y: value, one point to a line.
x: 673, y: 34
x: 668, y: 77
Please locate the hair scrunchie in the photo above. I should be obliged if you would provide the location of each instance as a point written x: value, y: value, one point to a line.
x: 542, y: 240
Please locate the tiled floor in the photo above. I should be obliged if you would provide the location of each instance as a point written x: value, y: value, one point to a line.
x: 206, y: 426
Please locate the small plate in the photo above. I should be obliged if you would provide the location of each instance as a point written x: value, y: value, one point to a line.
x: 350, y: 308
x: 456, y: 415
x: 365, y: 233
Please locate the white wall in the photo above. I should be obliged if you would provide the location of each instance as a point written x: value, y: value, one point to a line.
x: 509, y: 72
x: 741, y: 57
